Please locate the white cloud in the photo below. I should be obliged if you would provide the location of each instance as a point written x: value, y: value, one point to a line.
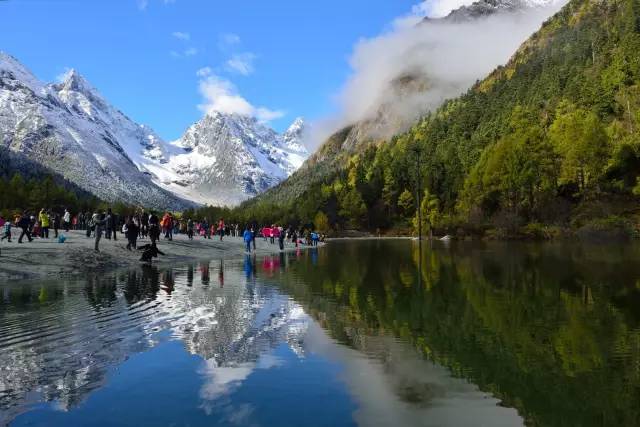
x: 187, y: 52
x: 411, y: 69
x: 222, y: 96
x: 180, y: 35
x: 241, y: 63
x: 204, y: 72
x: 142, y: 4
x: 228, y: 40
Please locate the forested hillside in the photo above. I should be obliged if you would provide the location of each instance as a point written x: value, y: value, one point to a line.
x: 550, y: 139
x: 25, y: 184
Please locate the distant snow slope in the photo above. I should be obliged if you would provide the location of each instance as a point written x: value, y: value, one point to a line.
x: 70, y: 128
x: 227, y: 158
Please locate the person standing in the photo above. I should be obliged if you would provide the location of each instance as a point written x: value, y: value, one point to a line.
x: 131, y: 234
x: 100, y: 222
x: 66, y: 220
x: 221, y: 228
x: 56, y: 224
x: 248, y: 237
x: 204, y: 227
x: 154, y: 228
x: 253, y: 236
x: 24, y: 223
x: 144, y: 225
x: 111, y: 225
x: 190, y: 229
x: 107, y: 225
x: 43, y: 218
x: 281, y: 237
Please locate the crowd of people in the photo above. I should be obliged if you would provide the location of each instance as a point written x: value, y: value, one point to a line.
x: 147, y: 224
x: 36, y: 224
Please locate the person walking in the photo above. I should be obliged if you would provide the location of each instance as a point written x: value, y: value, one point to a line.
x: 66, y: 220
x: 43, y: 218
x: 100, y: 221
x: 24, y: 223
x: 6, y: 231
x: 248, y: 237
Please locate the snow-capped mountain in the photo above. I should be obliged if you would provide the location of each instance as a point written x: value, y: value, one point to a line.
x: 227, y: 158
x: 71, y: 129
x: 488, y: 7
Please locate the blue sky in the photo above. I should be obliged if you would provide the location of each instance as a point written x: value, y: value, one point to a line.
x: 283, y: 58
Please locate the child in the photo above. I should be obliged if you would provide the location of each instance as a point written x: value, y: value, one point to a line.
x: 6, y: 231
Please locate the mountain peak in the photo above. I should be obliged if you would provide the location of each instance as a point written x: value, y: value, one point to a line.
x: 73, y: 80
x: 297, y: 126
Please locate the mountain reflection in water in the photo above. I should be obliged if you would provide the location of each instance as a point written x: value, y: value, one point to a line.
x: 365, y: 332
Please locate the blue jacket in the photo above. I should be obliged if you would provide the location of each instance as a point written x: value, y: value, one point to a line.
x: 247, y: 235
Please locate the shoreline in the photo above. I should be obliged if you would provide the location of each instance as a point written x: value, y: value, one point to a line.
x: 46, y: 258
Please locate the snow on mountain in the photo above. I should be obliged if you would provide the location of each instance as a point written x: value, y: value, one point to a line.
x: 227, y: 158
x: 71, y: 129
x: 488, y: 7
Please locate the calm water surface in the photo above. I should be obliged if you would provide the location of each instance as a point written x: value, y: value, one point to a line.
x: 355, y: 333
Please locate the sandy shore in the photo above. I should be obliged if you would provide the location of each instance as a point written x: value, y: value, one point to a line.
x: 48, y: 258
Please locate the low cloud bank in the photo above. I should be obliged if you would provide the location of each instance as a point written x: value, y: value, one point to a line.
x: 416, y: 65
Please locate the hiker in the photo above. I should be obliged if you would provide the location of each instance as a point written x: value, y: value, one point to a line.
x: 66, y: 220
x: 131, y: 233
x: 43, y: 218
x: 6, y: 231
x: 149, y: 251
x: 248, y: 237
x: 100, y: 224
x: 24, y: 223
x: 221, y: 228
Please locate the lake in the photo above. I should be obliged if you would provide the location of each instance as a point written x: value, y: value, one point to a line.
x: 371, y: 333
